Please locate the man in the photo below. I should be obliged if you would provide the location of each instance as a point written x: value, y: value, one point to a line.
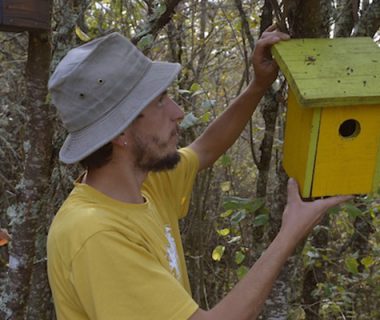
x: 114, y: 248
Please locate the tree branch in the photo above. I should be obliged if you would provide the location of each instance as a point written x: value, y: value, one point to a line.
x: 157, y: 23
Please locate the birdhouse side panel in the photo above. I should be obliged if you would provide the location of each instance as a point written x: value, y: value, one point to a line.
x: 347, y: 150
x: 301, y: 133
x: 376, y: 178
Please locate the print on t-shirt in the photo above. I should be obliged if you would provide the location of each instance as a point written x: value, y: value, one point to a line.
x: 171, y: 253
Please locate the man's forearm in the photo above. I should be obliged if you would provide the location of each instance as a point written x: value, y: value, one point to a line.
x: 246, y: 299
x: 223, y: 131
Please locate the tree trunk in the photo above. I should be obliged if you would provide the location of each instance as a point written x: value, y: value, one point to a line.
x: 309, y: 19
x: 25, y: 216
x: 346, y: 18
x: 369, y: 22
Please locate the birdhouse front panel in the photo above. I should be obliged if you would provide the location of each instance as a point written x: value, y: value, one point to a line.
x: 332, y: 132
x: 347, y: 151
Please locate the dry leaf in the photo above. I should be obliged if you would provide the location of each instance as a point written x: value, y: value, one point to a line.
x: 4, y: 237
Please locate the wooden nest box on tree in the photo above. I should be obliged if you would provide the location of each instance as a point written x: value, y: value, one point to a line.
x: 332, y: 133
x: 24, y: 15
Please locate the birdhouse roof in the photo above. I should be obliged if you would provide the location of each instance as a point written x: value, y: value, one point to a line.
x: 331, y: 72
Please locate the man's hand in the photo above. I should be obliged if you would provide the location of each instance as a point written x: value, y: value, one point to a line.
x: 300, y: 217
x: 265, y: 68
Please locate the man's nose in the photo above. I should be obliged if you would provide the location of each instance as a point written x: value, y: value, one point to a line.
x: 177, y: 113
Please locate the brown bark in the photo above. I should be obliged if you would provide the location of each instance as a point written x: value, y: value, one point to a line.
x: 266, y: 16
x: 25, y: 215
x: 309, y: 19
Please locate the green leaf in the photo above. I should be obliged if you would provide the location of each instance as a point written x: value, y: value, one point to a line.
x: 258, y: 203
x: 207, y: 104
x: 145, y: 42
x: 81, y: 34
x: 160, y: 9
x: 334, y: 210
x: 352, y: 211
x: 188, y: 121
x: 223, y: 232
x: 217, y: 253
x: 237, y: 217
x: 261, y: 220
x: 351, y: 265
x: 237, y: 203
x: 226, y: 214
x: 205, y: 117
x: 241, y: 272
x: 239, y: 257
x: 234, y: 239
x: 195, y: 87
x: 225, y: 160
x: 367, y: 261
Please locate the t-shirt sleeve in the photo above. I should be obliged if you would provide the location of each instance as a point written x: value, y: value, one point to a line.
x: 116, y: 278
x: 182, y: 179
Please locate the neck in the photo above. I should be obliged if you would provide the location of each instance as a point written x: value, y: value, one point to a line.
x: 120, y: 181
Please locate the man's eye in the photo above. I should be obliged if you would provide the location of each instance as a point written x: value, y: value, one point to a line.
x: 161, y: 99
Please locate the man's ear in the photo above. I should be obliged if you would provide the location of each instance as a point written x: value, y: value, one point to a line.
x: 120, y: 140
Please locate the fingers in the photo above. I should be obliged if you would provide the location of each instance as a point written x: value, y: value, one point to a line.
x: 334, y: 201
x: 273, y: 31
x: 271, y: 28
x: 294, y: 196
x: 274, y: 36
x: 267, y: 40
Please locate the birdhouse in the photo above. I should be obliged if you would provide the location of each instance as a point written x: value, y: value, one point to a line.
x: 24, y: 15
x: 332, y: 131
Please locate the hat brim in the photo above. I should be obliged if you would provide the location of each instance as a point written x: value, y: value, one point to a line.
x: 79, y: 144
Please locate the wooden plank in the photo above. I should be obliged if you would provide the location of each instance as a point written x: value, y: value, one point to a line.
x: 301, y: 135
x: 20, y: 15
x: 331, y: 72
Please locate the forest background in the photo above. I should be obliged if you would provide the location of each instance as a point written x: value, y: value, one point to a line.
x: 237, y: 204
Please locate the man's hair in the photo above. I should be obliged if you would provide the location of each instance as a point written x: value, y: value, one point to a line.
x: 98, y: 158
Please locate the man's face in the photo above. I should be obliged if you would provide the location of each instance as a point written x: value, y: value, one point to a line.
x: 154, y: 135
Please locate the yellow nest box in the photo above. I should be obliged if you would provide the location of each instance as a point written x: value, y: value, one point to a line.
x: 332, y: 133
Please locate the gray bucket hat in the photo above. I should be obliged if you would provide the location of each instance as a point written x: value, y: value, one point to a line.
x: 99, y: 88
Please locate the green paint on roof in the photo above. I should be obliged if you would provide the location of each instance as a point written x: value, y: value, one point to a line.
x: 331, y: 72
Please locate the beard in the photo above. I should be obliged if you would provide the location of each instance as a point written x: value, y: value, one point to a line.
x: 150, y: 156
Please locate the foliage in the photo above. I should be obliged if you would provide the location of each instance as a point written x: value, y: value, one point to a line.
x: 228, y: 226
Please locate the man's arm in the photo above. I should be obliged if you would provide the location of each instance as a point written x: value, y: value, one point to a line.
x: 224, y: 130
x: 246, y: 299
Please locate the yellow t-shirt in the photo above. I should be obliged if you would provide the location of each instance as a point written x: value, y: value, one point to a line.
x: 111, y: 260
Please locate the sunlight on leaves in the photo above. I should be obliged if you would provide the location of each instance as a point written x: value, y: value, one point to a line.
x: 217, y: 253
x: 241, y: 271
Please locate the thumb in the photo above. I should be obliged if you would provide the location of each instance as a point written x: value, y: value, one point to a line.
x: 293, y: 191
